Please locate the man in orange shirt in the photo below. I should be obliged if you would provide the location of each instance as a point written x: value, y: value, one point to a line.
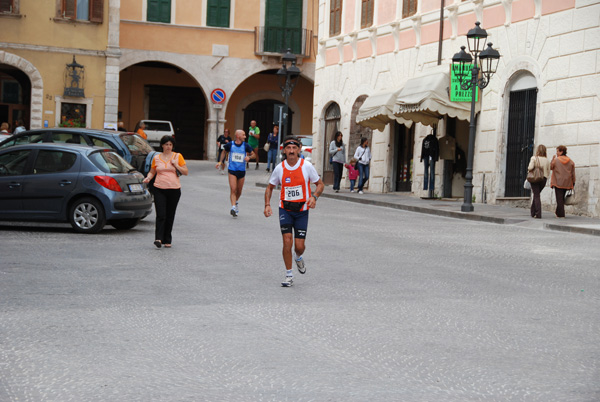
x: 295, y: 176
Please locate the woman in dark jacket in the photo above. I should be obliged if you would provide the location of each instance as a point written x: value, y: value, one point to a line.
x: 563, y: 178
x: 337, y: 152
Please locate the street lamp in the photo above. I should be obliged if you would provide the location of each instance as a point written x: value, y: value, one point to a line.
x: 288, y: 74
x: 485, y: 61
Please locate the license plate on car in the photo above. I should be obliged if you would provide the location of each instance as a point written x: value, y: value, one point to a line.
x: 135, y: 188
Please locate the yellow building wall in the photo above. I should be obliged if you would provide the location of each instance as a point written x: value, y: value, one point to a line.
x: 302, y: 95
x: 132, y: 82
x: 174, y: 39
x: 51, y: 67
x: 38, y: 26
x: 188, y: 36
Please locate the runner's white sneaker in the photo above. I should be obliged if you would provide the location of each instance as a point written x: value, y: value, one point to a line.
x: 289, y: 280
x: 300, y: 265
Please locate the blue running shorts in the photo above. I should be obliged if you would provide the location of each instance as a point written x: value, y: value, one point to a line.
x: 296, y: 220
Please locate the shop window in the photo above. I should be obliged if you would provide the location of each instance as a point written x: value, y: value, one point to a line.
x: 218, y: 13
x: 9, y: 6
x: 335, y: 18
x: 159, y: 11
x: 409, y: 7
x: 72, y: 115
x: 366, y: 15
x: 82, y: 10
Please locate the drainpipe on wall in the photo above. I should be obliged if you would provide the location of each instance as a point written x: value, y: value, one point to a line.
x: 441, y: 32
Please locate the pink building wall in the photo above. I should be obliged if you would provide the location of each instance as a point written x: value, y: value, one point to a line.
x: 386, y: 11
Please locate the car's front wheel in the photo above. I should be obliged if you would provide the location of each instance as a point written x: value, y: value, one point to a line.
x: 87, y: 215
x: 124, y: 224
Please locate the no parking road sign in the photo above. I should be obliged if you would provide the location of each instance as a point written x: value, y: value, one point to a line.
x: 217, y: 96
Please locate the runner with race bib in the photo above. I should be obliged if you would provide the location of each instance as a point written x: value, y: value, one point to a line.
x: 295, y: 176
x: 239, y: 153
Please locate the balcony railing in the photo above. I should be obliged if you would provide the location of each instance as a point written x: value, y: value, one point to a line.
x: 272, y: 40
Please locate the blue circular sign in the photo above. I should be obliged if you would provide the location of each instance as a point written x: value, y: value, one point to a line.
x: 217, y: 96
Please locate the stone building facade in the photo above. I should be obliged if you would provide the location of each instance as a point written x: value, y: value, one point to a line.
x: 546, y: 91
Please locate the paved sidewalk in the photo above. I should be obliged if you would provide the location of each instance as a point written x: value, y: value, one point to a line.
x: 451, y: 209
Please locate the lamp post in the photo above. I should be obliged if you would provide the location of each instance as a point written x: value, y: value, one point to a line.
x: 486, y: 62
x: 288, y: 74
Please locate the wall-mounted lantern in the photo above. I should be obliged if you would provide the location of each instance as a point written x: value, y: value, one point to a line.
x: 74, y: 80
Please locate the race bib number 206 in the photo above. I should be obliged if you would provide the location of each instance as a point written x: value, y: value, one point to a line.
x: 294, y: 193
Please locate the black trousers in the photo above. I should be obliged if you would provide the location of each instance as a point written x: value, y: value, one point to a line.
x: 338, y: 168
x: 560, y: 201
x: 536, y: 203
x: 165, y: 202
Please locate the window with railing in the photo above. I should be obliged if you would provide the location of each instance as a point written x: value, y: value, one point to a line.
x: 158, y: 11
x: 82, y: 10
x: 409, y: 7
x: 335, y: 17
x: 366, y: 14
x: 218, y: 13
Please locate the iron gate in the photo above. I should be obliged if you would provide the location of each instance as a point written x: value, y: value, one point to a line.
x: 521, y: 128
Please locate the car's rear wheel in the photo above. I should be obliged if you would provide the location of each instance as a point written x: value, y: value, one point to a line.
x: 87, y: 215
x: 124, y: 224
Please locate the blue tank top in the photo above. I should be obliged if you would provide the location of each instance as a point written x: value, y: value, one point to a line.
x: 236, y: 157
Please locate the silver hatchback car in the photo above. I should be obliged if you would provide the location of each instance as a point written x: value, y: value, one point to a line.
x: 85, y: 186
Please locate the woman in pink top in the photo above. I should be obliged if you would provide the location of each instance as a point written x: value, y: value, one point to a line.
x: 166, y: 167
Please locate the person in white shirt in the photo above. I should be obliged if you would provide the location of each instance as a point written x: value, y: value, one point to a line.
x: 294, y: 175
x: 363, y: 156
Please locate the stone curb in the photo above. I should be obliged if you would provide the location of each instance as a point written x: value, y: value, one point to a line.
x: 454, y: 214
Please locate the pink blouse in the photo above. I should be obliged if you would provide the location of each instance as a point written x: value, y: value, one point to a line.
x: 166, y: 174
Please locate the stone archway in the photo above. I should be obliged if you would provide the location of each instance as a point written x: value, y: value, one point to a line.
x: 37, y: 85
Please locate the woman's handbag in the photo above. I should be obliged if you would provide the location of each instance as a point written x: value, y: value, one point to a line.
x: 570, y: 197
x: 537, y: 174
x: 267, y: 147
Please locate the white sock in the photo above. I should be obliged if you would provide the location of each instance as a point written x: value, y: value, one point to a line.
x: 288, y: 273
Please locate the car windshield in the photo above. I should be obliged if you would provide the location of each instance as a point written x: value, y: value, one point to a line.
x: 110, y: 162
x: 306, y: 141
x: 136, y: 144
x: 157, y: 126
x: 24, y: 139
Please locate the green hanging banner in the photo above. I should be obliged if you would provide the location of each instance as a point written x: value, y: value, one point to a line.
x: 457, y: 94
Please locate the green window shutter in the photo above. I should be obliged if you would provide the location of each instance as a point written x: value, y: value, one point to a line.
x: 283, y: 25
x: 218, y: 13
x: 159, y: 11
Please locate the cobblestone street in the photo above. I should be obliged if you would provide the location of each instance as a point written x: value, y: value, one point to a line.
x: 395, y: 306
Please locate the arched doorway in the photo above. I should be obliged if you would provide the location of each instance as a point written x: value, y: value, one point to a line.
x: 520, y: 133
x: 332, y: 125
x: 15, y: 96
x: 160, y: 91
x: 263, y: 112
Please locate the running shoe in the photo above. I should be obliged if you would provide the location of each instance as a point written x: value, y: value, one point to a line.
x: 289, y: 281
x: 300, y: 265
x: 233, y: 212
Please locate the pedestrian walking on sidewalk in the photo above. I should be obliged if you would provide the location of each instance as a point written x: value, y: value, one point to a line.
x: 166, y: 168
x: 295, y: 176
x: 337, y: 152
x: 540, y: 159
x: 563, y: 178
x: 352, y: 173
x: 239, y: 154
x: 253, y: 140
x: 363, y: 156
